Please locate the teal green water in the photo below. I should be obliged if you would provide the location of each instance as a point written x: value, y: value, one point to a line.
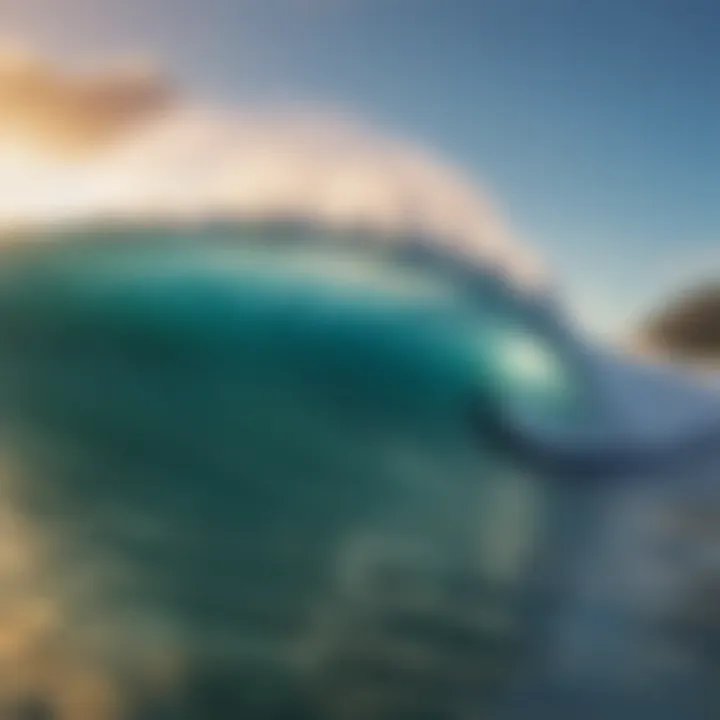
x: 276, y: 446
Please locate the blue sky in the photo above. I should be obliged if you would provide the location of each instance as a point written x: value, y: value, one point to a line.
x: 593, y: 123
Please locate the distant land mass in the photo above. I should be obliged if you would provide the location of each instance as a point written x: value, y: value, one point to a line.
x: 687, y: 328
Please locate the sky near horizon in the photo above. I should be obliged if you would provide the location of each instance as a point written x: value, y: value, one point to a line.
x: 593, y: 124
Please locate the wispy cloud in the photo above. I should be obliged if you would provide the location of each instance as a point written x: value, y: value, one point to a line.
x: 64, y: 112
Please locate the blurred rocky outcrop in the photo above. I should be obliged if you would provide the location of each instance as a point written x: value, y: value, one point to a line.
x: 687, y: 328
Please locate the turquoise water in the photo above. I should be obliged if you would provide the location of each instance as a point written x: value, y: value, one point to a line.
x: 269, y: 453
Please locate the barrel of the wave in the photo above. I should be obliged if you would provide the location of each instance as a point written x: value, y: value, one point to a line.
x: 261, y: 480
